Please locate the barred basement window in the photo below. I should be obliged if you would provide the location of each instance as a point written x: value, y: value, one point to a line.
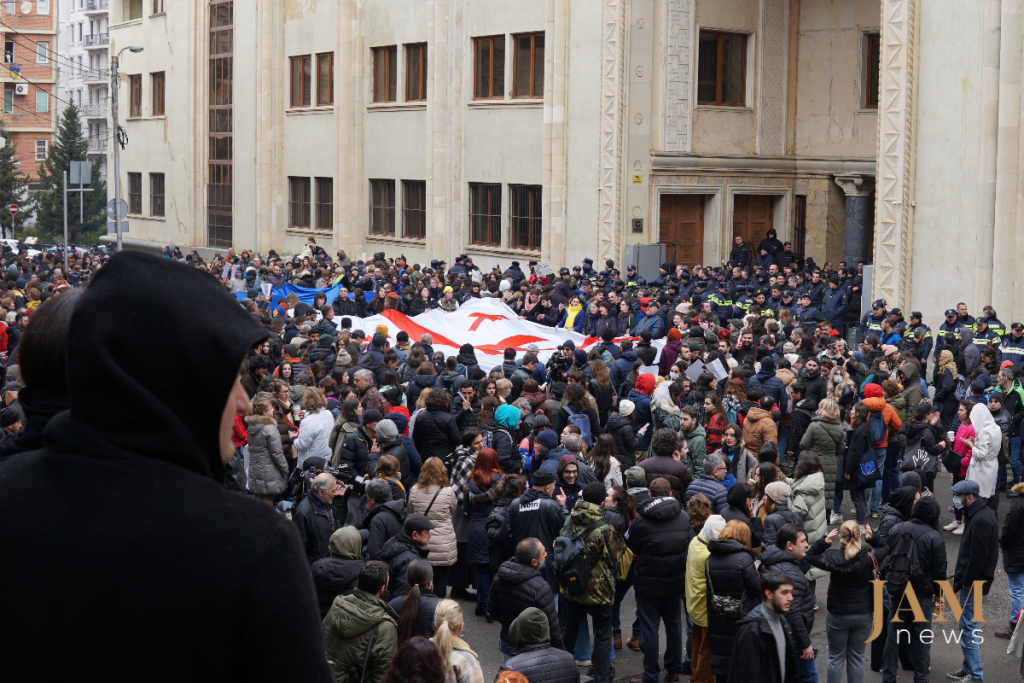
x: 485, y: 214
x: 525, y: 218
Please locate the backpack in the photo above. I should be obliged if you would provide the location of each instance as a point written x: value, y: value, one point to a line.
x: 449, y: 382
x: 876, y: 423
x: 960, y: 388
x: 902, y: 565
x: 570, y: 560
x: 583, y: 422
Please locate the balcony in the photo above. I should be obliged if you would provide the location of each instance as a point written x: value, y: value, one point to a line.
x: 98, y: 145
x: 97, y: 41
x: 96, y: 6
x: 96, y: 110
x: 95, y: 77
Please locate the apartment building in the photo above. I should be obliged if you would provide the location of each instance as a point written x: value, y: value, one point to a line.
x: 549, y: 130
x: 84, y: 70
x: 29, y: 79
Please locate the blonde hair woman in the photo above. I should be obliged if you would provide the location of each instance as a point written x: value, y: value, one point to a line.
x: 825, y: 437
x: 314, y: 437
x: 459, y: 661
x: 841, y: 389
x: 848, y: 619
x: 433, y: 497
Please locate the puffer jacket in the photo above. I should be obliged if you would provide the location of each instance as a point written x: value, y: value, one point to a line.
x: 875, y: 403
x: 338, y: 574
x: 268, y: 470
x: 383, y: 523
x: 478, y: 505
x: 356, y: 451
x: 772, y: 386
x: 801, y: 611
x: 517, y: 587
x: 604, y: 548
x: 496, y: 525
x: 731, y: 573
x: 758, y: 429
x: 347, y: 631
x: 850, y: 590
x: 435, y: 434
x: 911, y: 387
x: 671, y: 470
x: 826, y: 438
x: 502, y: 442
x: 283, y: 417
x: 399, y: 552
x: 441, y: 546
x: 418, y: 384
x: 659, y: 538
x: 539, y: 660
x: 775, y: 521
x: 621, y: 429
x: 808, y: 501
x: 622, y: 367
x: 712, y: 489
x: 314, y: 435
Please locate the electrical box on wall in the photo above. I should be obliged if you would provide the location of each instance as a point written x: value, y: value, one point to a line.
x: 646, y: 257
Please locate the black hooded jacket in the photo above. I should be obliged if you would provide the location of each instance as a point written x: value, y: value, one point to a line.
x: 146, y: 447
x: 517, y: 587
x: 730, y: 569
x: 660, y: 539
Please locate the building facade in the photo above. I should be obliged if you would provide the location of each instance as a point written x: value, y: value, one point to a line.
x: 84, y: 70
x: 867, y: 130
x: 29, y: 80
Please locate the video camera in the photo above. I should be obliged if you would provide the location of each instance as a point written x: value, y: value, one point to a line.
x: 558, y: 365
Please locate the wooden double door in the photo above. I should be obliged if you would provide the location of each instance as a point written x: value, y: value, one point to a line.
x: 682, y: 228
x: 752, y: 217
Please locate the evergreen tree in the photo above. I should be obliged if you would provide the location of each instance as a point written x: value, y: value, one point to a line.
x: 70, y: 145
x: 13, y: 185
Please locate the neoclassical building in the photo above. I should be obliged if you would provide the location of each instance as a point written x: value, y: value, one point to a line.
x: 879, y: 130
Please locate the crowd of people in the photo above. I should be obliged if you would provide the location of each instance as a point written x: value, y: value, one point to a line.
x: 416, y: 485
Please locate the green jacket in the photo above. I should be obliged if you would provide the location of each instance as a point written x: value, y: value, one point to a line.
x: 697, y: 446
x: 899, y: 404
x: 664, y: 415
x: 347, y: 630
x: 826, y: 438
x: 604, y: 547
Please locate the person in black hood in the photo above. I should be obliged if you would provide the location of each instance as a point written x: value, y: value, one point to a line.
x: 467, y: 358
x: 731, y: 574
x: 338, y: 574
x: 137, y: 439
x: 42, y: 359
x: 739, y: 499
x: 896, y: 511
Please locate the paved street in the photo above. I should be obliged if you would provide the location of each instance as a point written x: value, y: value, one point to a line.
x: 999, y: 666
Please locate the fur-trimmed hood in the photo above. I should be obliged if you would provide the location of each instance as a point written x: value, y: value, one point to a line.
x: 259, y: 420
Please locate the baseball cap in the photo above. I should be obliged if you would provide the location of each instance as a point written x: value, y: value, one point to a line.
x: 916, y: 314
x: 950, y: 312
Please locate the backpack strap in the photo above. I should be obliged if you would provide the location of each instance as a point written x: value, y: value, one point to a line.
x: 369, y: 649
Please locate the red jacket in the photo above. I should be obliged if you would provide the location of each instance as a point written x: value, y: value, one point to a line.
x: 239, y: 434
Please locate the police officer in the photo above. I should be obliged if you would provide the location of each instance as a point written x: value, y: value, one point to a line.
x: 872, y: 321
x: 721, y: 302
x: 916, y: 324
x: 743, y: 302
x: 788, y: 301
x: 993, y: 322
x: 983, y: 336
x: 965, y: 319
x: 950, y: 326
x: 1012, y: 348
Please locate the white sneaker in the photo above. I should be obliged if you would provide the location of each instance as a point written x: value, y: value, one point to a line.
x: 959, y: 531
x: 836, y: 519
x: 952, y: 525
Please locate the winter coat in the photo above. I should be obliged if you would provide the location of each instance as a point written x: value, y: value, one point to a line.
x: 803, y: 413
x: 479, y: 503
x: 314, y: 436
x: 399, y: 552
x: 339, y: 433
x: 348, y: 628
x: 562, y: 419
x: 622, y: 367
x: 315, y: 523
x: 775, y: 521
x: 418, y: 384
x: 731, y: 573
x: 696, y: 448
x: 283, y: 417
x: 801, y: 610
x: 741, y: 466
x: 659, y: 538
x: 912, y: 392
x: 976, y: 559
x: 826, y: 438
x: 945, y: 398
x: 1011, y: 538
x: 383, y: 522
x: 621, y: 429
x: 760, y: 660
x: 773, y: 387
x: 758, y: 429
x: 516, y: 587
x: 338, y: 574
x: 504, y: 445
x: 268, y: 470
x: 498, y: 547
x: 808, y: 501
x: 435, y: 434
x: 893, y: 423
x: 860, y: 443
x: 538, y: 402
x: 816, y: 387
x: 441, y: 546
x: 356, y: 451
x: 668, y: 468
x: 604, y: 548
x: 988, y: 440
x: 544, y: 664
x: 712, y: 489
x: 850, y: 590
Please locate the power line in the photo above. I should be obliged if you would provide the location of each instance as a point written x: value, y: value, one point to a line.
x: 37, y: 87
x: 54, y: 53
x: 70, y: 62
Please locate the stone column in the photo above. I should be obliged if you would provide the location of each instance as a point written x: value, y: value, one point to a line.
x: 351, y: 212
x: 1004, y: 236
x: 988, y: 133
x: 859, y: 216
x: 556, y: 131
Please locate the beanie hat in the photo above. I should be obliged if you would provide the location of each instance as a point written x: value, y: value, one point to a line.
x: 636, y: 476
x: 872, y: 390
x: 693, y: 346
x: 548, y: 438
x: 889, y: 349
x: 626, y: 408
x: 381, y: 329
x: 387, y: 430
x: 792, y: 358
x: 673, y: 335
x: 778, y: 491
x: 531, y: 627
x: 607, y: 335
x: 371, y: 415
x: 768, y: 363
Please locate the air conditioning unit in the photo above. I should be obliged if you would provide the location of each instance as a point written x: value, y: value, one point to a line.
x: 21, y: 89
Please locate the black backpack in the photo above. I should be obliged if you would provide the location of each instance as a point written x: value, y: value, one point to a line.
x: 902, y: 565
x: 570, y: 560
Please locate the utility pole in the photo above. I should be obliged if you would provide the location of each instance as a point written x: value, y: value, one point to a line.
x: 114, y: 84
x: 66, y: 222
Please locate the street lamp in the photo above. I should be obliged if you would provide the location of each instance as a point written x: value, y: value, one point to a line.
x: 114, y: 84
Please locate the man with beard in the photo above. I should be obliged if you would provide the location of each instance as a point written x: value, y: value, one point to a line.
x: 817, y: 389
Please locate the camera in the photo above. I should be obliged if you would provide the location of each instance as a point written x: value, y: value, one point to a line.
x: 558, y: 365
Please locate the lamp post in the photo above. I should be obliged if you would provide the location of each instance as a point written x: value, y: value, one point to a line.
x: 114, y: 84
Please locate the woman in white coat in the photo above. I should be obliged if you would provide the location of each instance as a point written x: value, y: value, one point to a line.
x: 314, y: 439
x: 985, y: 446
x: 435, y: 499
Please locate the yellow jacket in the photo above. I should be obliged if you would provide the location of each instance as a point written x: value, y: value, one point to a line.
x: 696, y: 581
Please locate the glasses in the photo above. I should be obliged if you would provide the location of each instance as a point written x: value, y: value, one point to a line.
x: 572, y: 472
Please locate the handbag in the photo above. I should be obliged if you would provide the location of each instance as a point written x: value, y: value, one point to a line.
x: 866, y: 471
x: 875, y: 573
x: 951, y: 461
x: 917, y: 458
x: 625, y: 563
x: 731, y: 608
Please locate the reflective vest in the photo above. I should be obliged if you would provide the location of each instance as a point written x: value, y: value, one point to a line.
x: 987, y: 337
x: 1012, y: 350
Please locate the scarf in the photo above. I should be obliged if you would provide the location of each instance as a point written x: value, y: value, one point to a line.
x: 946, y: 362
x: 570, y: 315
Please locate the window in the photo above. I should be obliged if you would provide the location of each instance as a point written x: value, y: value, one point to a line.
x: 42, y: 101
x: 301, y: 80
x: 299, y: 202
x: 43, y: 52
x: 9, y: 51
x: 325, y: 79
x: 135, y: 193
x: 721, y: 69
x: 9, y: 98
x: 525, y: 218
x: 158, y: 94
x: 485, y: 214
x: 528, y: 78
x: 489, y: 68
x: 132, y: 10
x: 43, y: 7
x: 382, y: 207
x: 414, y: 208
x: 799, y: 223
x: 10, y: 7
x: 385, y: 73
x: 220, y: 192
x: 156, y: 194
x: 135, y: 96
x: 42, y: 149
x: 158, y: 6
x: 325, y: 203
x: 416, y: 72
x: 872, y: 54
